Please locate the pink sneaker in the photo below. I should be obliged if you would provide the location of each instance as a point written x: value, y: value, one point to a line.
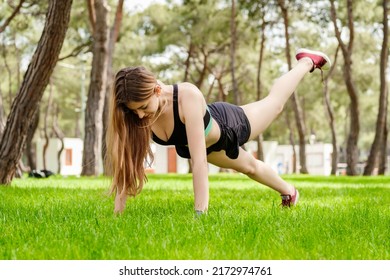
x: 320, y: 60
x: 290, y: 200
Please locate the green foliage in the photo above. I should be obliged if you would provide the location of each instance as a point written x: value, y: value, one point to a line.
x: 159, y: 38
x: 72, y: 218
x: 17, y: 44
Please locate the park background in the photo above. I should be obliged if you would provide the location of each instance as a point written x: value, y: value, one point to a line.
x: 232, y: 50
x: 57, y: 62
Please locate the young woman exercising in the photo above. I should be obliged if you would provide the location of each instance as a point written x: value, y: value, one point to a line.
x: 143, y: 108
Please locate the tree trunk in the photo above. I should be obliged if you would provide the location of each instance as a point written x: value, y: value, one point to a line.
x: 292, y: 143
x: 208, y: 96
x: 330, y: 113
x: 187, y: 62
x: 114, y: 34
x: 203, y: 72
x: 221, y: 91
x: 30, y: 150
x: 34, y: 83
x: 45, y: 121
x: 259, y: 88
x: 294, y: 97
x: 60, y: 135
x: 2, y: 114
x: 352, y: 148
x: 383, y: 99
x: 92, y: 14
x: 383, y: 153
x: 233, y: 36
x: 97, y: 87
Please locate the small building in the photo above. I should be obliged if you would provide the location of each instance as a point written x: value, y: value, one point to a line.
x: 70, y: 159
x: 281, y: 157
x: 318, y: 158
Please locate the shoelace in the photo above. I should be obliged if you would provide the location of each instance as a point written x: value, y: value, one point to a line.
x: 286, y: 200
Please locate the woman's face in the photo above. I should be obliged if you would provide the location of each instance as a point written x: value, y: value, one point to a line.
x: 147, y: 108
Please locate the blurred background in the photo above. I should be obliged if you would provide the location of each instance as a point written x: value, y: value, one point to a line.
x: 233, y: 50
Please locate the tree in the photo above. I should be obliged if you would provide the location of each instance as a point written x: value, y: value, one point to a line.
x: 380, y: 130
x: 205, y: 45
x: 330, y: 113
x: 96, y: 92
x: 60, y: 135
x: 2, y: 115
x: 384, y: 153
x: 233, y: 47
x: 257, y: 11
x: 30, y: 151
x: 259, y: 85
x: 347, y: 50
x: 26, y: 103
x: 294, y: 97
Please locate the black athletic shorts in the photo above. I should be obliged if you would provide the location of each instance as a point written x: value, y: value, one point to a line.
x: 235, y: 130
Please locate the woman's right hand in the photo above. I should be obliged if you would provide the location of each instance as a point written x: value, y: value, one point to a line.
x: 120, y: 204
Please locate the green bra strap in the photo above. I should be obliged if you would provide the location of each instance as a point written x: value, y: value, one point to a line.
x: 209, y: 125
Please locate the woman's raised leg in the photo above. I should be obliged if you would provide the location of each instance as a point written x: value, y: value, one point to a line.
x: 261, y: 113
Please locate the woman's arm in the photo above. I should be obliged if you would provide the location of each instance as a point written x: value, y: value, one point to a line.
x: 192, y: 105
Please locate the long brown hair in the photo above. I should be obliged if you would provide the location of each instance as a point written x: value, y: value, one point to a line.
x: 128, y: 136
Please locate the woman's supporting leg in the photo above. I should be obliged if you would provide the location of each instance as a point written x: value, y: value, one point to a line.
x: 253, y: 168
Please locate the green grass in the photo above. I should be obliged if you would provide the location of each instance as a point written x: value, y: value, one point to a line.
x: 71, y: 218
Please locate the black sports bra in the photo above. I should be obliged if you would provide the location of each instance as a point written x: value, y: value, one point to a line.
x: 179, y: 135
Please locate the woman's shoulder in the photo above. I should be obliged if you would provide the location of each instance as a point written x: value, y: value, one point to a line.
x: 187, y: 86
x: 189, y: 89
x: 190, y: 95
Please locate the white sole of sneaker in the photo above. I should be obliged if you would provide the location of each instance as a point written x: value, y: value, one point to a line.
x: 296, y: 198
x: 326, y: 66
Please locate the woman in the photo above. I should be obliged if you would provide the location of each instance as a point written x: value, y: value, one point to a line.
x: 143, y: 108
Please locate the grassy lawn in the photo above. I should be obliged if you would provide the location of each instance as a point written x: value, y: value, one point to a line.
x: 72, y: 218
